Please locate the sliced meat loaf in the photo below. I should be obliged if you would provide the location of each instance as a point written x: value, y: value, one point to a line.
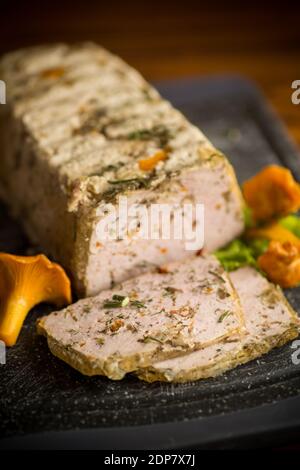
x: 77, y: 123
x: 149, y: 318
x: 270, y: 322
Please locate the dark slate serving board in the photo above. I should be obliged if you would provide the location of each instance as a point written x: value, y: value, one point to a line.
x: 46, y: 404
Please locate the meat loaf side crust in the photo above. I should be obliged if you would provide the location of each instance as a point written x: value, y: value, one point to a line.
x: 219, y: 366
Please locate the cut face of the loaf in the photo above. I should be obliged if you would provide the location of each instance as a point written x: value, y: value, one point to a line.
x: 111, y: 261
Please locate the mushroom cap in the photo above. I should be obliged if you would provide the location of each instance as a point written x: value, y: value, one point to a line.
x: 272, y: 192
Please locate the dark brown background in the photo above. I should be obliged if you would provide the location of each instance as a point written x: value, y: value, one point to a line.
x: 165, y: 39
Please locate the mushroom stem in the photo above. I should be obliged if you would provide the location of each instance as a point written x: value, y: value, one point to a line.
x: 13, y: 311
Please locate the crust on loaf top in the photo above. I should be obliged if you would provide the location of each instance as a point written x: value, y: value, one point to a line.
x: 92, y: 117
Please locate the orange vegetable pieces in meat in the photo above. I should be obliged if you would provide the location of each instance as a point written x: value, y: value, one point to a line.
x: 273, y: 192
x: 149, y: 163
x: 52, y: 73
x: 281, y: 263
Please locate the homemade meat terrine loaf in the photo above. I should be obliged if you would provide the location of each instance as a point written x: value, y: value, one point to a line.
x: 81, y: 128
x: 152, y: 317
x: 269, y: 320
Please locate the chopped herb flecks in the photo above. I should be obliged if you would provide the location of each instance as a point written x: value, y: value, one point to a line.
x: 138, y: 182
x: 159, y: 133
x: 224, y: 315
x: 100, y: 341
x: 119, y: 301
x: 137, y: 303
x: 171, y: 290
x: 217, y: 275
x: 222, y: 293
x: 149, y: 339
x: 106, y: 169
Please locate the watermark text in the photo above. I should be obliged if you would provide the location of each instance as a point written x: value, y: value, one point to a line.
x: 2, y: 92
x: 296, y: 354
x: 296, y: 94
x: 154, y: 222
x: 2, y: 353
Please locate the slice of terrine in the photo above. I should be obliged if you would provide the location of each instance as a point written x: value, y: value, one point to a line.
x: 75, y: 133
x: 269, y: 320
x: 152, y: 317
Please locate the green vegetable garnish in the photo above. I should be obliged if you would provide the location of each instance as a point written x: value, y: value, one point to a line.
x: 258, y: 246
x: 236, y: 255
x: 291, y: 223
x: 248, y: 219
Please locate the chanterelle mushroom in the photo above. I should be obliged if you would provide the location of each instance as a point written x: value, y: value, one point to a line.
x: 273, y: 231
x: 272, y: 193
x: 281, y: 263
x: 26, y: 281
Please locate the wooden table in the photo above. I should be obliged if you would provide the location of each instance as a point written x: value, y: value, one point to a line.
x: 170, y: 39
